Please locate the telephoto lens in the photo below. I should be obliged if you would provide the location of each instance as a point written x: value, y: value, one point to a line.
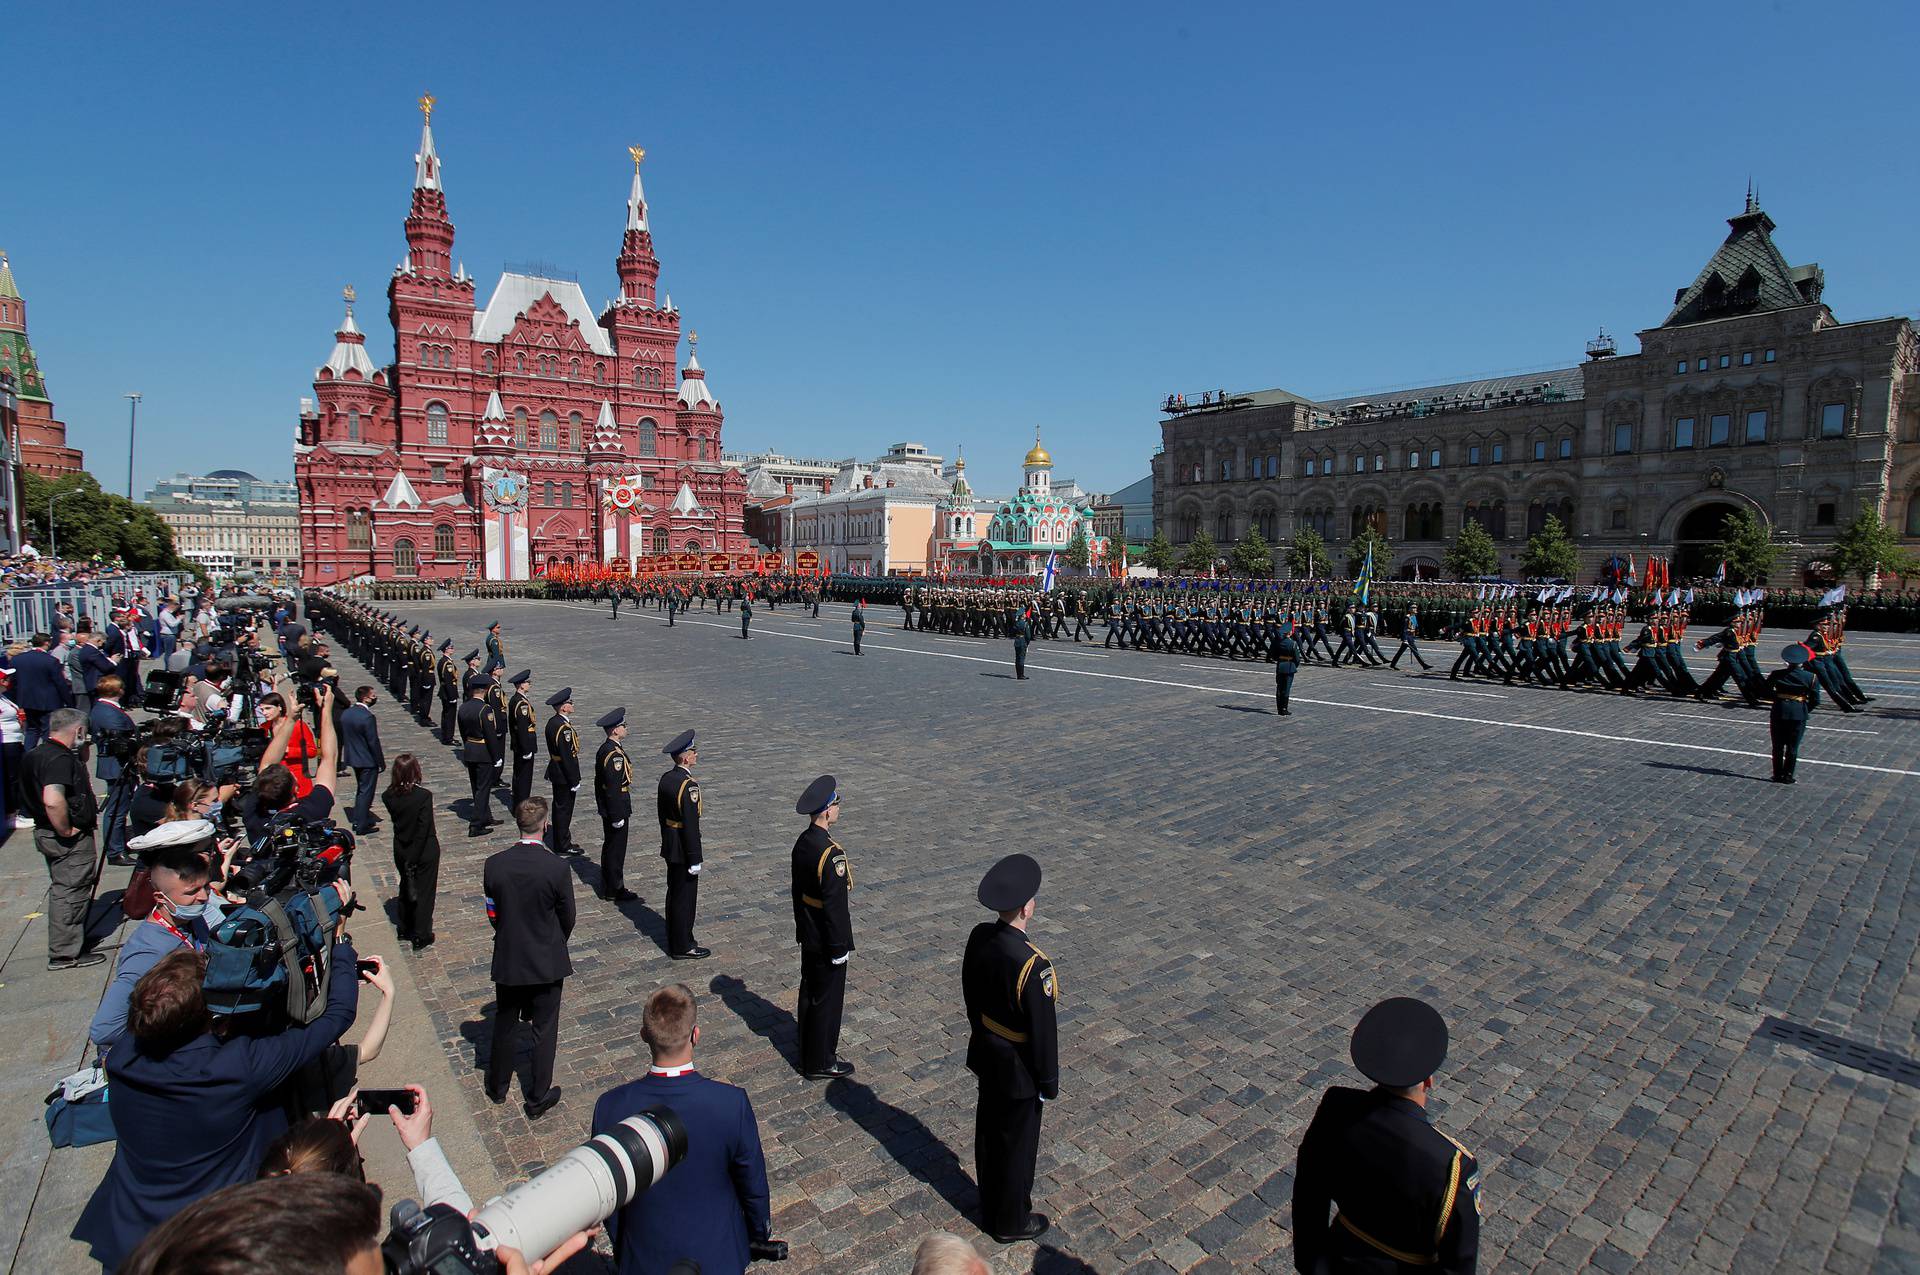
x: 585, y: 1186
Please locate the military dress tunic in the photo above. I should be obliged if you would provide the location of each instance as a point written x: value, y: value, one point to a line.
x: 1011, y: 989
x: 613, y: 795
x: 525, y: 731
x: 563, y: 772
x: 823, y: 926
x: 679, y: 809
x: 1796, y: 692
x: 482, y: 747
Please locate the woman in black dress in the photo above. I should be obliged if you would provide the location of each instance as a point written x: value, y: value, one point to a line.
x: 416, y: 849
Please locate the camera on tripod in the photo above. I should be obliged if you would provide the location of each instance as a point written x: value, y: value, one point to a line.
x: 293, y: 853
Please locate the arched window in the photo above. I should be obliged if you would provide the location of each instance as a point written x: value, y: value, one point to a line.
x: 405, y: 561
x: 660, y: 544
x: 639, y: 378
x: 546, y: 492
x: 1273, y: 466
x: 353, y: 424
x: 566, y: 494
x: 359, y: 530
x: 486, y: 362
x: 519, y: 427
x: 1267, y: 520
x: 1258, y: 464
x: 576, y: 434
x: 649, y: 439
x: 702, y: 445
x: 1223, y: 526
x: 436, y: 422
x: 520, y: 363
x: 599, y: 373
x: 1913, y: 513
x: 443, y: 541
x: 573, y: 369
x: 550, y: 431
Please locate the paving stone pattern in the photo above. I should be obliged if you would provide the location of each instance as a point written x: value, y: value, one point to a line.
x: 1603, y: 921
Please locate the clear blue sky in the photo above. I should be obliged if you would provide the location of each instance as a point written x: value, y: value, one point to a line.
x: 944, y: 223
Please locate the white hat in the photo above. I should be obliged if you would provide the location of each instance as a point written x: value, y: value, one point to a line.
x: 178, y: 832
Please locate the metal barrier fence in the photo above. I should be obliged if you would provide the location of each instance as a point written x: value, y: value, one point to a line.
x: 31, y: 610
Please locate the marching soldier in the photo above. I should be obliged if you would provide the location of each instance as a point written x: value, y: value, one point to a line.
x: 563, y: 768
x: 822, y: 878
x: 496, y: 649
x: 1408, y: 1195
x: 613, y: 795
x: 1410, y: 640
x: 1010, y: 988
x: 449, y: 677
x: 679, y: 807
x: 524, y: 733
x: 482, y: 749
x: 1796, y: 692
x: 1286, y: 662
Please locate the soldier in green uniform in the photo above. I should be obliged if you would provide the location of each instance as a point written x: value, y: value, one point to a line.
x: 1013, y: 1047
x: 1407, y: 1195
x: 523, y: 736
x: 746, y: 615
x: 483, y: 746
x: 679, y: 810
x: 563, y: 769
x: 1796, y: 692
x: 822, y: 879
x: 496, y: 649
x: 859, y: 622
x: 613, y: 795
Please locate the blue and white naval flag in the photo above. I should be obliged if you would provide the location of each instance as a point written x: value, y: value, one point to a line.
x: 1834, y: 596
x: 1046, y: 581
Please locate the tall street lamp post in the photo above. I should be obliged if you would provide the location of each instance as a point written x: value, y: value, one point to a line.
x: 133, y: 413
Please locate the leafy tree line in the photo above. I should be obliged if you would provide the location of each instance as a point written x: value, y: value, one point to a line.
x: 92, y: 522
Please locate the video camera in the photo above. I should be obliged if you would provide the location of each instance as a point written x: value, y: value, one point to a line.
x: 582, y: 1189
x: 271, y: 953
x: 220, y: 754
x: 293, y: 853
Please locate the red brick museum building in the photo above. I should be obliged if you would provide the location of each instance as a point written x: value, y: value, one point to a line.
x: 507, y: 438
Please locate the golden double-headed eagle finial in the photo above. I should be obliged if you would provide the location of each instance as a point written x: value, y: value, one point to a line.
x: 693, y: 338
x: 347, y: 294
x: 426, y: 106
x: 639, y: 153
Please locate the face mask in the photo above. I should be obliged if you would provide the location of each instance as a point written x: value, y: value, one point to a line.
x: 186, y: 911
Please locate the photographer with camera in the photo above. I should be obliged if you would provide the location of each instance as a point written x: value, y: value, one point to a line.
x: 302, y: 747
x: 178, y: 857
x: 714, y: 1209
x: 275, y: 793
x: 331, y: 1144
x: 195, y: 1101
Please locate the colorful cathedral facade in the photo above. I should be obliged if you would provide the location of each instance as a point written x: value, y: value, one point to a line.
x: 514, y: 436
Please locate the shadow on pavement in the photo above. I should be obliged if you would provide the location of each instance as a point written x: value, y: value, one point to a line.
x: 910, y: 1144
x: 764, y: 1018
x: 1246, y: 708
x: 1705, y: 770
x: 1049, y: 1260
x: 644, y: 919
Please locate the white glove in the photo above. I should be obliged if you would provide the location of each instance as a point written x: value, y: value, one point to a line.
x: 694, y: 871
x: 576, y: 788
x: 841, y: 960
x: 620, y: 823
x: 526, y: 756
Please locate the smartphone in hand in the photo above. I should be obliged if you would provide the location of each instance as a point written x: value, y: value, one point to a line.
x: 374, y: 1102
x: 366, y: 967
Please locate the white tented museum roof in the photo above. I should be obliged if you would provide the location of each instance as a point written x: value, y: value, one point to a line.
x: 515, y: 293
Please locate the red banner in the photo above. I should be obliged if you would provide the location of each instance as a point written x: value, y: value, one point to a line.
x: 806, y: 560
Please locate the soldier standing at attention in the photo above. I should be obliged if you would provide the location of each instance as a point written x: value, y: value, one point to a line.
x: 746, y: 615
x: 482, y: 747
x: 496, y: 649
x: 1010, y: 988
x: 523, y: 732
x: 1021, y: 632
x: 1408, y: 1195
x: 859, y: 622
x: 1286, y: 662
x: 563, y: 768
x: 613, y: 794
x: 448, y: 674
x: 679, y: 804
x: 822, y: 878
x: 1796, y: 693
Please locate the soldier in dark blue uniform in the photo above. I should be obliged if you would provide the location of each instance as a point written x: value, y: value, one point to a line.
x: 613, y: 795
x: 1796, y: 692
x: 1410, y: 640
x: 859, y: 622
x: 1021, y: 632
x: 1286, y: 662
x: 1011, y: 990
x: 482, y: 748
x: 449, y: 678
x: 679, y: 809
x: 1408, y: 1196
x: 822, y: 878
x: 523, y: 735
x: 746, y: 614
x: 563, y: 769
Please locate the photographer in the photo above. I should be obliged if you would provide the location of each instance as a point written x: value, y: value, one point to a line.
x: 275, y: 791
x: 58, y: 794
x: 179, y: 868
x: 305, y: 1224
x: 105, y: 721
x: 195, y: 1103
x: 331, y: 1144
x: 301, y: 748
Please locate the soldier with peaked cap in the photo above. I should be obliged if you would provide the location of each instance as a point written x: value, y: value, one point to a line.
x: 1407, y: 1195
x: 448, y: 674
x: 423, y: 672
x: 1796, y: 692
x: 563, y: 768
x: 613, y: 794
x: 679, y: 809
x: 496, y: 649
x: 523, y: 735
x: 1010, y: 989
x: 482, y: 746
x: 822, y: 878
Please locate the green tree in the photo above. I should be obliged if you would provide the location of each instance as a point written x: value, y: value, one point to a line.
x: 1307, y: 555
x: 1748, y: 548
x: 1867, y: 546
x: 95, y: 523
x: 1473, y: 552
x: 1079, y: 552
x: 1201, y: 551
x: 1550, y: 553
x: 1159, y: 552
x: 1382, y: 554
x: 1252, y: 556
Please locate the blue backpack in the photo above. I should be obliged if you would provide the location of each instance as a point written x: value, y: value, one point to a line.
x: 273, y: 952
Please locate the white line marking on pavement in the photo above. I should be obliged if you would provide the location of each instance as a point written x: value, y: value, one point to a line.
x: 1437, y: 690
x: 1222, y: 668
x: 1734, y: 721
x: 1328, y: 703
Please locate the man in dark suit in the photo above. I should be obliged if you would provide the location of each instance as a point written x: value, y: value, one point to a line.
x: 39, y: 686
x: 104, y: 719
x: 679, y: 810
x: 360, y: 750
x: 123, y: 647
x: 530, y: 905
x: 563, y: 768
x: 713, y: 1209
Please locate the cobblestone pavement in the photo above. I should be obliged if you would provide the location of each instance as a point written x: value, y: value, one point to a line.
x: 1604, y: 897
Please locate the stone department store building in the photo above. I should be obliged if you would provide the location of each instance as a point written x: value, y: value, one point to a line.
x: 1749, y: 395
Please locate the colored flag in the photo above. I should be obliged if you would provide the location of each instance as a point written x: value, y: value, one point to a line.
x: 1046, y: 581
x: 1364, y: 585
x: 1720, y: 576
